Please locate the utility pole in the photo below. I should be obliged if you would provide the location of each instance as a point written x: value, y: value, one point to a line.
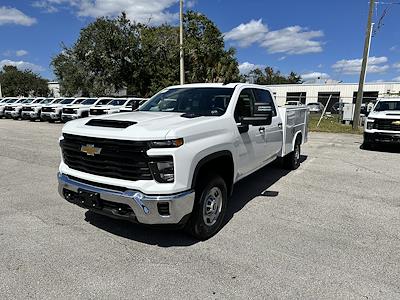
x: 181, y: 54
x: 363, y: 73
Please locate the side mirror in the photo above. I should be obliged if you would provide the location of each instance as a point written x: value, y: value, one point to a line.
x: 262, y: 115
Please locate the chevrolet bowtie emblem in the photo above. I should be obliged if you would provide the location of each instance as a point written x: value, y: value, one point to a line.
x: 396, y: 123
x: 90, y: 150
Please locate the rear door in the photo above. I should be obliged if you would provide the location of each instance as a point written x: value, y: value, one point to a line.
x: 273, y: 132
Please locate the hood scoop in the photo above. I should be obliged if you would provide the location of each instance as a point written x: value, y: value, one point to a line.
x: 110, y: 123
x: 190, y: 115
x: 393, y: 114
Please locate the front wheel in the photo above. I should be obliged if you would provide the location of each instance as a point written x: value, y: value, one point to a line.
x: 209, y: 209
x: 292, y: 160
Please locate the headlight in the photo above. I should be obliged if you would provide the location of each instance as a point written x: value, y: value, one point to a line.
x: 163, y: 171
x: 370, y: 124
x: 167, y: 143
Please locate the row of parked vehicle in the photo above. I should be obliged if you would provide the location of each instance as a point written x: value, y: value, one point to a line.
x: 64, y: 109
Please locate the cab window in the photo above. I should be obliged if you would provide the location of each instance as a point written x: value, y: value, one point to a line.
x: 244, y: 105
x: 264, y: 96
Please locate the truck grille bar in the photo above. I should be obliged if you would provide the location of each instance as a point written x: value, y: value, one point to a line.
x: 119, y: 159
x: 386, y: 124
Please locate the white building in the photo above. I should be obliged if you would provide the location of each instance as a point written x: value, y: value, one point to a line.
x: 345, y: 92
x: 54, y: 88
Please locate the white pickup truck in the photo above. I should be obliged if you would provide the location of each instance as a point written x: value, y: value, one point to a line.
x: 383, y: 123
x: 73, y: 112
x: 113, y: 107
x: 176, y: 159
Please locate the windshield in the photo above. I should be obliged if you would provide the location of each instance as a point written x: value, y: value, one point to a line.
x: 67, y: 101
x: 45, y: 101
x: 387, y: 105
x: 27, y: 101
x: 11, y: 100
x: 118, y: 102
x: 198, y: 101
x: 89, y: 102
x: 104, y: 101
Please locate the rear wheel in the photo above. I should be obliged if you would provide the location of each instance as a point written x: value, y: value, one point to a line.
x: 209, y: 209
x: 292, y: 160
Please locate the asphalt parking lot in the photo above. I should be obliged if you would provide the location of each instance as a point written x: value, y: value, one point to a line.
x: 330, y: 229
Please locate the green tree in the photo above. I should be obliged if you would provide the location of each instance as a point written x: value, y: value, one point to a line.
x: 111, y: 54
x: 15, y: 82
x: 270, y: 76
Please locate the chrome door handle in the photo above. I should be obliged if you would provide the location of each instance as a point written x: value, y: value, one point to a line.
x: 280, y: 125
x: 261, y: 129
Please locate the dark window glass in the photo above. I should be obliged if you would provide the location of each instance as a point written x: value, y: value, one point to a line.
x: 244, y: 106
x: 263, y: 96
x: 198, y: 101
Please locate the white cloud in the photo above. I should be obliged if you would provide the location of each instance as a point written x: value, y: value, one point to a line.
x: 396, y: 65
x: 397, y: 79
x: 190, y: 4
x: 21, y: 65
x: 289, y: 40
x: 144, y: 11
x: 20, y: 53
x: 247, y: 34
x: 246, y: 67
x: 293, y: 40
x: 314, y: 76
x: 10, y: 15
x: 353, y: 66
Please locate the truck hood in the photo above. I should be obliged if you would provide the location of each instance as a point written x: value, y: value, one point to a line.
x: 390, y: 114
x: 77, y: 106
x: 106, y: 106
x: 148, y: 126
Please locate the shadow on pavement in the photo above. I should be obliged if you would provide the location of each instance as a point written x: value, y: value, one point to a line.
x: 388, y: 148
x: 254, y: 185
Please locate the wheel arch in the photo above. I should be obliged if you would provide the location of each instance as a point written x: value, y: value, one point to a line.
x: 222, y: 162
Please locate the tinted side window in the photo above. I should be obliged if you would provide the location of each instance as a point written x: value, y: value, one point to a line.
x: 244, y: 106
x: 263, y: 96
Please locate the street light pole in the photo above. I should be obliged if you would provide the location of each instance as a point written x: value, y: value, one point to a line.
x: 181, y: 54
x: 367, y: 45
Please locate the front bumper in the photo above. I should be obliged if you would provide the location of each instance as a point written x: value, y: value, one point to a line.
x: 11, y: 114
x: 379, y: 137
x: 129, y: 204
x: 67, y: 118
x: 50, y: 116
x: 26, y: 115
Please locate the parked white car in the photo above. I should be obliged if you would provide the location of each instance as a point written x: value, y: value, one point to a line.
x: 14, y: 110
x: 53, y: 112
x: 382, y: 125
x: 32, y: 111
x: 114, y: 106
x: 132, y: 104
x: 176, y: 159
x: 8, y: 102
x: 76, y: 111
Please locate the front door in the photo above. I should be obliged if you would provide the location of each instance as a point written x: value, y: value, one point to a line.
x: 251, y: 144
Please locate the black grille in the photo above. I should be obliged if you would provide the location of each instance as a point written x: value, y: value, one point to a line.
x: 48, y: 109
x: 9, y: 108
x: 97, y: 112
x: 27, y: 109
x: 117, y: 159
x: 386, y: 124
x: 68, y: 111
x: 110, y: 123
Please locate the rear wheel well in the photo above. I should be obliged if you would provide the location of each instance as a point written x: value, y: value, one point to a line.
x: 299, y: 138
x: 220, y: 163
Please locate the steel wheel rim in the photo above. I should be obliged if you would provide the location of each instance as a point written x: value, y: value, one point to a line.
x: 297, y: 153
x: 212, y: 206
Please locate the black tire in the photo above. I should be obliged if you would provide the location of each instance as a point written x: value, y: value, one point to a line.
x: 197, y: 226
x: 292, y: 160
x: 368, y: 145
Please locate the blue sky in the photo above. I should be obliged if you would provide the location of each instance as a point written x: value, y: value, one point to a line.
x: 312, y: 37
